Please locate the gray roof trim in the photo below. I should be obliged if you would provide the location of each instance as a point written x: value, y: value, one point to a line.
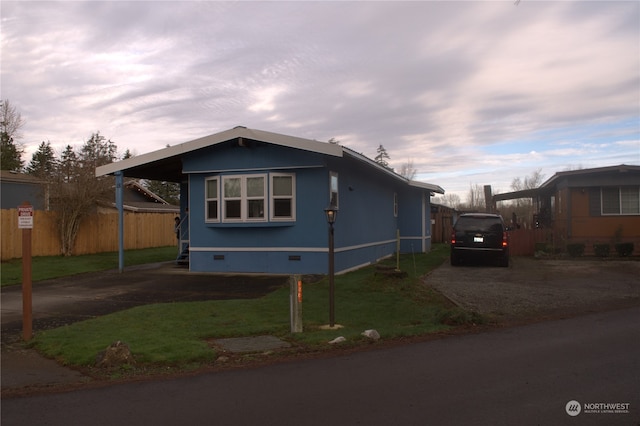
x: 240, y: 132
x: 216, y: 138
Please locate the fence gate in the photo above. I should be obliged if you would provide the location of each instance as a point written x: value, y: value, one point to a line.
x: 523, y: 241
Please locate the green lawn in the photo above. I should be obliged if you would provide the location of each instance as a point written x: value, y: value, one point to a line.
x: 48, y: 267
x: 175, y: 334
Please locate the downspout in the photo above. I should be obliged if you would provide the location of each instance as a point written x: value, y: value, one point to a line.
x: 120, y: 206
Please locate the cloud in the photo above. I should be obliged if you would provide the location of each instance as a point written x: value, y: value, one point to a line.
x: 464, y: 89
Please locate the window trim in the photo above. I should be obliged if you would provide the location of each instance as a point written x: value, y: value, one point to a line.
x: 395, y: 204
x: 620, y: 200
x: 273, y: 197
x: 244, y: 199
x: 207, y: 219
x: 334, y: 202
x: 268, y: 199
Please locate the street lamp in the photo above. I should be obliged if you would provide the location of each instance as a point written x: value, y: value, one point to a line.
x: 332, y: 213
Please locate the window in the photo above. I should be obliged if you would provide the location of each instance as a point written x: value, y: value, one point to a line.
x: 333, y: 188
x: 211, y: 200
x: 620, y: 200
x: 243, y: 198
x: 395, y: 204
x: 282, y: 197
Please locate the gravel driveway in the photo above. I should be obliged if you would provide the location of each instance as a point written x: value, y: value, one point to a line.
x: 532, y: 287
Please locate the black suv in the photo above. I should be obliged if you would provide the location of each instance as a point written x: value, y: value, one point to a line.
x: 479, y: 236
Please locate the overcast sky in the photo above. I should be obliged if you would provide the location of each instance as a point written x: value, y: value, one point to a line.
x: 475, y: 92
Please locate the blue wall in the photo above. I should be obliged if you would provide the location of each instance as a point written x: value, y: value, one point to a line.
x: 365, y: 230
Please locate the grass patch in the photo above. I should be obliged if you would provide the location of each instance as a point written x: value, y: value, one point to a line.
x: 48, y: 267
x: 175, y: 333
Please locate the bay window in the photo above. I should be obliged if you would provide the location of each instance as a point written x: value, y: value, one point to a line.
x: 250, y: 198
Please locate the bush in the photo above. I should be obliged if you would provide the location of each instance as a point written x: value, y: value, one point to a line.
x: 543, y: 247
x: 624, y: 249
x: 601, y: 250
x: 575, y: 249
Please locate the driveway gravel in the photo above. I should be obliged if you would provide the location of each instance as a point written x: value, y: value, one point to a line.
x: 532, y: 287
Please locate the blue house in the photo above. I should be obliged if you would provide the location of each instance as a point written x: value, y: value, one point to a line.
x: 254, y: 202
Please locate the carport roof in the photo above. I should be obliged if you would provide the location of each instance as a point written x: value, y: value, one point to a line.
x: 166, y: 164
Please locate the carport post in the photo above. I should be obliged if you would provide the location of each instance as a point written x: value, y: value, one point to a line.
x: 120, y: 207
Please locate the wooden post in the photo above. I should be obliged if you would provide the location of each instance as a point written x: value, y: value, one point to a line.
x: 25, y: 222
x: 295, y: 297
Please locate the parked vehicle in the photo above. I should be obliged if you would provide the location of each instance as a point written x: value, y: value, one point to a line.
x: 481, y: 237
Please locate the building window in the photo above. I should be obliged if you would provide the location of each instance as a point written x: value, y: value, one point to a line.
x: 243, y: 198
x: 620, y: 200
x: 333, y: 188
x: 246, y: 198
x: 211, y: 200
x: 282, y: 197
x: 395, y: 204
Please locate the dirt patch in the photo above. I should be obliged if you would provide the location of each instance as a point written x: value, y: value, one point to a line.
x: 532, y: 287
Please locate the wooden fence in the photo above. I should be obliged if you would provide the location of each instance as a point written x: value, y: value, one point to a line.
x: 523, y: 241
x: 98, y: 233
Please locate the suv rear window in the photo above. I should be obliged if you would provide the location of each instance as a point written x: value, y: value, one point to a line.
x: 480, y: 224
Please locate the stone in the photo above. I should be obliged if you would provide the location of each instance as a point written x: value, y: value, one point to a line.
x: 115, y: 355
x: 337, y: 340
x: 371, y: 334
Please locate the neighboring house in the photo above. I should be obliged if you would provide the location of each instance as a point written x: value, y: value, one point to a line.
x: 16, y: 188
x: 254, y: 201
x: 590, y: 206
x: 138, y: 199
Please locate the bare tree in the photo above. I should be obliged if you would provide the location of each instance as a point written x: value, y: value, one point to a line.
x: 475, y: 198
x: 450, y: 200
x: 75, y: 189
x: 407, y: 170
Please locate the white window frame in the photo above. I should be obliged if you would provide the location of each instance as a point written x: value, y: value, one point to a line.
x: 207, y: 199
x: 273, y: 197
x: 243, y: 198
x: 395, y: 204
x: 620, y: 209
x: 334, y: 201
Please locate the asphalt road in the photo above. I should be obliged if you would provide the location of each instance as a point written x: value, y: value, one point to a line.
x: 513, y: 376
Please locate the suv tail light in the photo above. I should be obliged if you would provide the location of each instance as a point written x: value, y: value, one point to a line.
x: 505, y: 239
x: 453, y: 237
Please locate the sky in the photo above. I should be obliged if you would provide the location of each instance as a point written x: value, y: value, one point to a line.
x: 470, y: 93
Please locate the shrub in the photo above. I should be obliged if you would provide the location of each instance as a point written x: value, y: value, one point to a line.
x: 624, y: 249
x: 575, y: 249
x: 543, y: 247
x: 601, y: 250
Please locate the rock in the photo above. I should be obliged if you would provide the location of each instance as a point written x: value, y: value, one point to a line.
x: 115, y: 355
x: 337, y: 340
x: 222, y: 359
x: 371, y: 334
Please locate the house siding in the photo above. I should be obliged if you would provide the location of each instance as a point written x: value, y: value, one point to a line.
x: 365, y: 230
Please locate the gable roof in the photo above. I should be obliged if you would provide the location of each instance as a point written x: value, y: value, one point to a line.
x: 622, y: 168
x: 166, y: 164
x: 549, y: 184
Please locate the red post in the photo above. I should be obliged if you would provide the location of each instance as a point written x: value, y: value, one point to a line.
x: 25, y: 222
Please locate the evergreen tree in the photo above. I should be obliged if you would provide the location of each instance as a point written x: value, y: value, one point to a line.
x: 43, y: 162
x: 168, y: 191
x: 10, y: 154
x: 68, y: 165
x: 382, y: 157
